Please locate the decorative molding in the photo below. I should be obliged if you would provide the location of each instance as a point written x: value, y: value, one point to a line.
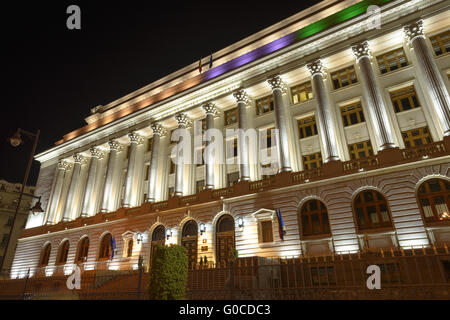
x: 114, y: 145
x: 64, y: 165
x: 210, y: 108
x: 413, y: 31
x: 79, y: 158
x: 96, y: 153
x: 136, y: 138
x: 276, y: 83
x: 241, y: 96
x: 316, y: 68
x: 183, y: 120
x: 158, y: 129
x: 361, y: 50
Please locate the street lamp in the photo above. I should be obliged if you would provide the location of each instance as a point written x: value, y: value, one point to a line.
x: 16, y: 140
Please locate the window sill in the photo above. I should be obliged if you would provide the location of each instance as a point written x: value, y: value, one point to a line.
x: 383, y: 75
x: 386, y: 230
x: 338, y: 90
x: 263, y: 245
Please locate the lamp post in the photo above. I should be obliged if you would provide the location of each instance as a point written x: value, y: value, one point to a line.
x: 16, y: 141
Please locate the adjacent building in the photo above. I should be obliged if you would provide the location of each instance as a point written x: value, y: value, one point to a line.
x: 359, y: 94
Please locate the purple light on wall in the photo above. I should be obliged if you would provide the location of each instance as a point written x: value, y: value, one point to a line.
x: 250, y: 56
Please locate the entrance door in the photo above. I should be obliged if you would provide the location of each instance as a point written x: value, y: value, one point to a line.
x: 189, y: 241
x: 225, y: 239
x: 158, y: 237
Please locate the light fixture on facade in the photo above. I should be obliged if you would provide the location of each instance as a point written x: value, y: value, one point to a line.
x: 361, y: 169
x: 240, y: 222
x: 139, y: 237
x: 168, y: 233
x: 444, y: 216
x: 202, y: 228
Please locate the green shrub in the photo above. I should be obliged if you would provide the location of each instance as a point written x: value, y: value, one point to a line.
x: 168, y: 275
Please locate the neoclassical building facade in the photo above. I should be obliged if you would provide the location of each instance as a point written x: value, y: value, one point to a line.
x: 359, y: 94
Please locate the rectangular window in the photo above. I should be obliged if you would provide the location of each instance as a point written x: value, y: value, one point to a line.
x: 441, y: 43
x: 172, y: 166
x: 343, y: 77
x: 307, y: 127
x: 352, y: 114
x: 416, y: 137
x: 323, y: 276
x: 200, y: 185
x: 200, y: 158
x: 392, y: 60
x: 264, y: 105
x: 149, y: 144
x: 232, y: 178
x: 360, y: 150
x: 302, y: 92
x: 266, y: 231
x: 312, y: 161
x: 147, y: 167
x: 231, y: 116
x: 171, y: 192
x: 405, y: 99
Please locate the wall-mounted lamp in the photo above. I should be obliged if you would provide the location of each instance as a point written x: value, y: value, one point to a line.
x: 139, y: 237
x: 168, y: 233
x: 240, y: 222
x: 202, y: 228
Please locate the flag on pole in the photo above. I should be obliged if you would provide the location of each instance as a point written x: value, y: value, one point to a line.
x: 210, y: 61
x: 113, y: 246
x: 281, y: 227
x: 200, y: 66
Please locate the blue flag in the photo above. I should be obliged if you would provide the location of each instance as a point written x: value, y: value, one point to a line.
x: 210, y: 61
x: 281, y: 227
x: 113, y: 246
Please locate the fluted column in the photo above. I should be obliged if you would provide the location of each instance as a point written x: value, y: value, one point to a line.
x: 375, y: 103
x: 183, y: 123
x: 434, y: 83
x: 326, y: 125
x: 114, y: 148
x: 211, y: 112
x: 96, y: 154
x: 135, y: 140
x: 158, y: 132
x: 278, y: 89
x: 79, y: 160
x: 243, y: 100
x: 61, y: 168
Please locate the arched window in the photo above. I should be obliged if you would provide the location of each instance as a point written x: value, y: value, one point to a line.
x: 314, y: 218
x: 63, y: 252
x: 45, y: 256
x: 105, y: 247
x: 372, y: 210
x: 189, y: 229
x: 83, y: 249
x: 159, y: 233
x: 225, y: 244
x: 130, y: 248
x: 189, y: 241
x: 434, y: 199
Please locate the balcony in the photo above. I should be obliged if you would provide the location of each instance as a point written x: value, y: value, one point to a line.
x: 385, y: 158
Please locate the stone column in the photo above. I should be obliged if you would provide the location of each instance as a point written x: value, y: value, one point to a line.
x: 375, y: 103
x: 211, y: 112
x: 183, y: 123
x: 135, y: 140
x: 158, y: 132
x: 114, y: 147
x: 278, y: 89
x: 61, y: 168
x: 71, y: 196
x: 434, y: 84
x: 97, y: 154
x: 325, y: 123
x: 243, y: 100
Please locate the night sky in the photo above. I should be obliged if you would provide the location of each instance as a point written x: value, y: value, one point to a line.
x: 53, y: 76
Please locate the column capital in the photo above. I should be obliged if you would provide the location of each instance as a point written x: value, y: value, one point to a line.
x: 114, y: 145
x: 79, y: 158
x: 135, y: 138
x: 210, y: 108
x: 183, y: 120
x: 316, y: 68
x: 64, y: 165
x: 361, y: 50
x: 414, y: 30
x: 96, y: 153
x: 241, y: 96
x: 276, y: 83
x: 158, y: 130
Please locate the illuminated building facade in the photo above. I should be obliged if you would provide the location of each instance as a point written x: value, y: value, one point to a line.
x: 360, y: 98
